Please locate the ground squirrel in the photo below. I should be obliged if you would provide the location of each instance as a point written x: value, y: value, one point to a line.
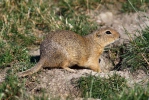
x: 66, y: 48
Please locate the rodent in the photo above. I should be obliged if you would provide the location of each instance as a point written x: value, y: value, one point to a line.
x: 65, y: 48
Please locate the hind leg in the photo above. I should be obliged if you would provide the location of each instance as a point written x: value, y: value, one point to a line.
x: 65, y: 65
x: 59, y: 59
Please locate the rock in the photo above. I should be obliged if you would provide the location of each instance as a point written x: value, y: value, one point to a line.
x: 105, y: 18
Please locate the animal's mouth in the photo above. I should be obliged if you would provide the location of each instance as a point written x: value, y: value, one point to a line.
x: 117, y: 39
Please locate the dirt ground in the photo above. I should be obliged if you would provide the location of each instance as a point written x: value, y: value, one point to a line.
x: 58, y: 82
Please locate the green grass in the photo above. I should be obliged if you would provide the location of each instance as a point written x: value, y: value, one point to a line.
x: 135, y: 5
x: 137, y: 52
x: 133, y: 55
x: 67, y: 7
x: 113, y: 88
x: 11, y: 88
x: 14, y: 89
x: 135, y: 93
x: 97, y: 87
x: 15, y: 54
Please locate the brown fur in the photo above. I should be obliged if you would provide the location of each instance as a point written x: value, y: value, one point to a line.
x: 65, y: 49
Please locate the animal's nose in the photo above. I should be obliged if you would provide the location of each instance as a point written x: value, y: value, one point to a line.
x: 119, y: 36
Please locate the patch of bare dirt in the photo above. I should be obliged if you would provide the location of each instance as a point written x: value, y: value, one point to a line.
x: 59, y: 82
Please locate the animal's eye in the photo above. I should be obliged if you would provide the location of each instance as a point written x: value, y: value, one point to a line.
x: 108, y: 32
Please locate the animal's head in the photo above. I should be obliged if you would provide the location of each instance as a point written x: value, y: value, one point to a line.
x: 106, y: 36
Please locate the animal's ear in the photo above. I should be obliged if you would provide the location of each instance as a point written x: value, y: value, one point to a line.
x: 98, y: 34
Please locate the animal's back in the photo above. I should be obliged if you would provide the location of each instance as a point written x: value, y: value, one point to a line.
x: 59, y: 46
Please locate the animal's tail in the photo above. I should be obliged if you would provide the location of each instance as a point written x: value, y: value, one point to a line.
x: 34, y: 69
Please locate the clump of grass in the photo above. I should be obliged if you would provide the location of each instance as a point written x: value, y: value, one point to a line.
x: 67, y: 7
x: 135, y: 5
x: 112, y: 88
x: 79, y: 24
x: 97, y: 87
x: 137, y: 52
x: 10, y: 89
x: 13, y: 52
x: 134, y: 54
x: 135, y: 93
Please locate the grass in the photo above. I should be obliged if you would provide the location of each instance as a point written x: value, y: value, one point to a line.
x: 97, y: 87
x: 15, y: 54
x: 67, y: 7
x: 22, y: 22
x: 135, y: 93
x: 135, y: 5
x: 112, y: 88
x: 11, y: 88
x: 135, y: 54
